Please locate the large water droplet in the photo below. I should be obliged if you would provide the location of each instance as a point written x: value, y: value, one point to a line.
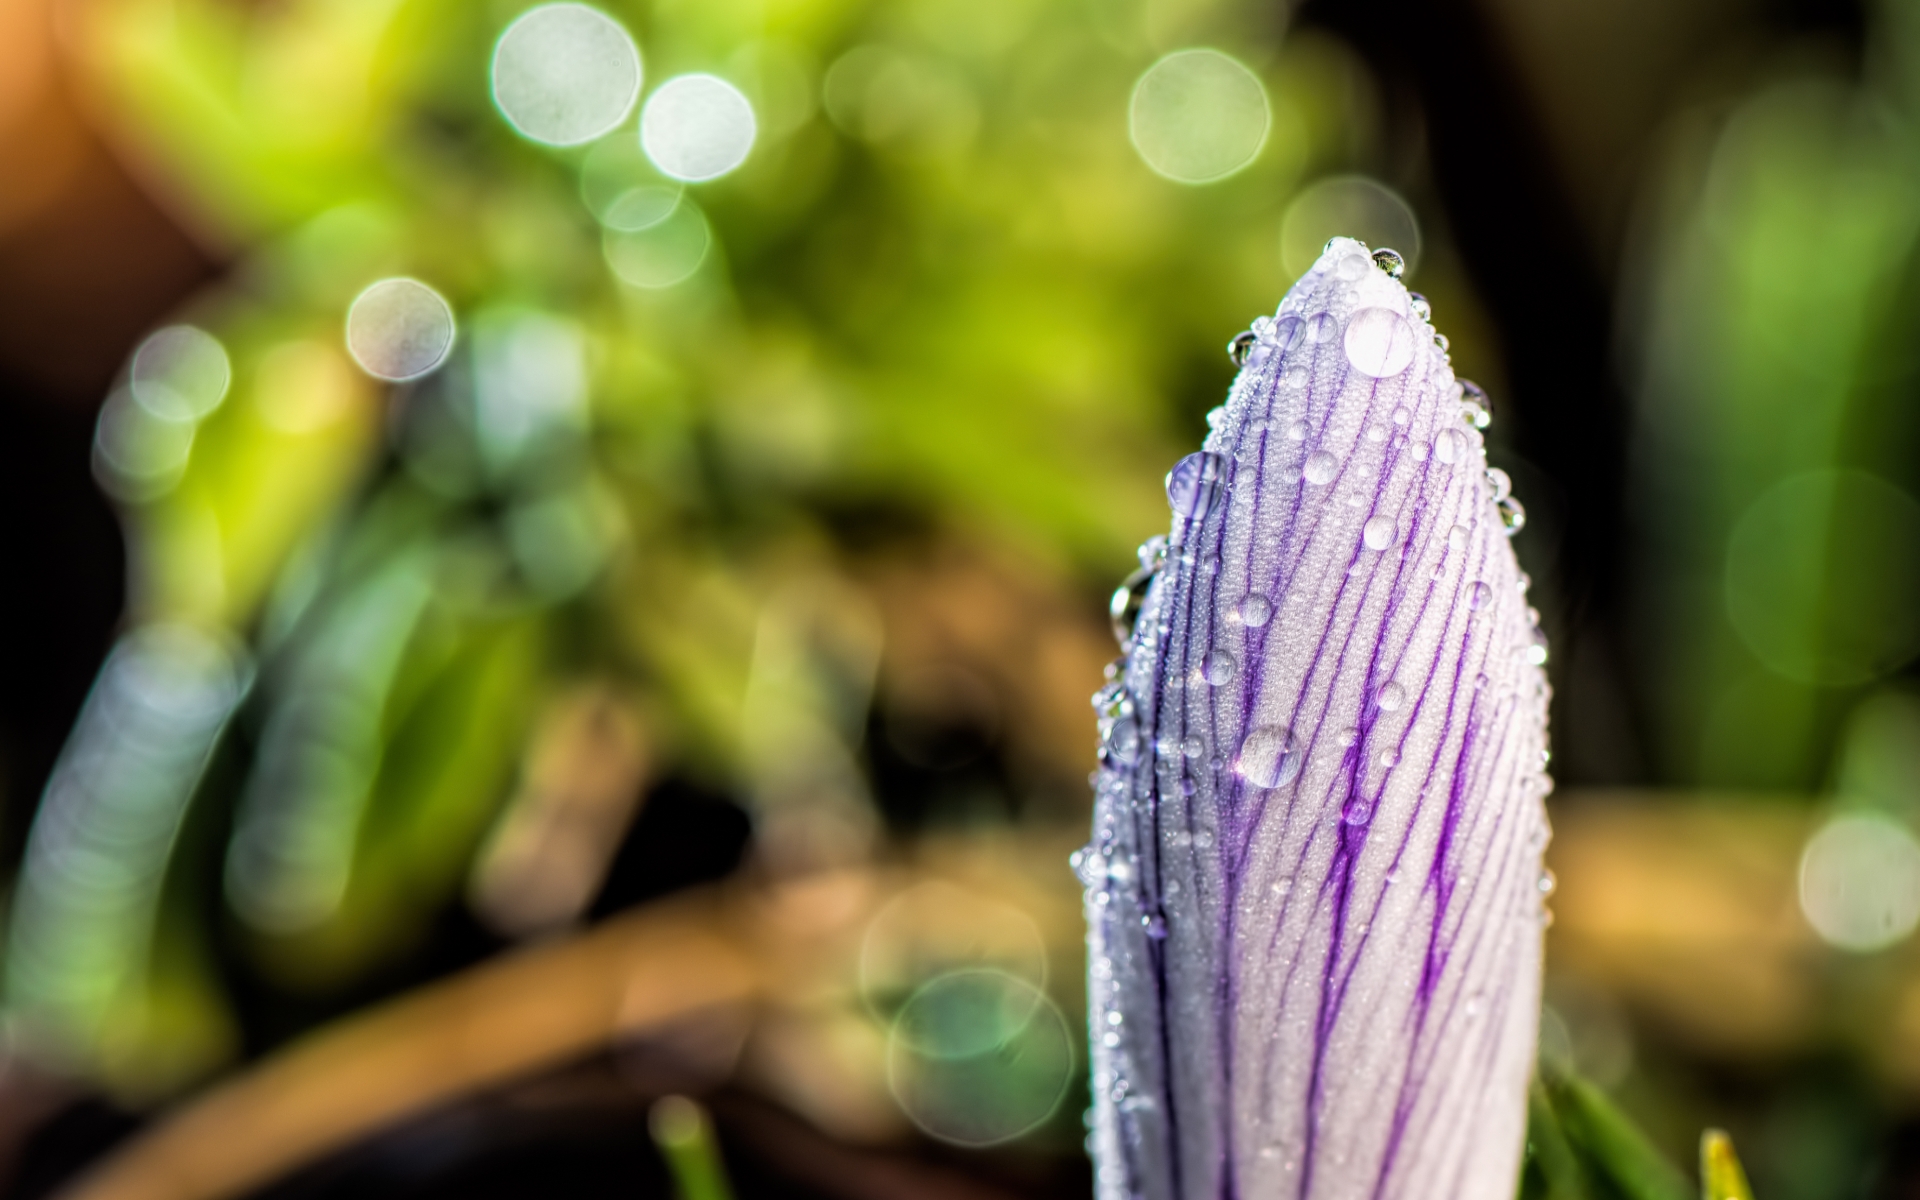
x: 1321, y: 467
x: 1351, y: 267
x: 1391, y: 697
x: 1479, y: 596
x: 1193, y: 483
x: 1238, y: 348
x: 1379, y: 342
x: 1123, y: 742
x: 1457, y: 538
x: 1500, y: 482
x: 1287, y: 333
x: 1256, y: 610
x: 1513, y: 517
x: 1269, y: 757
x: 1380, y: 533
x: 1450, y: 446
x: 1389, y: 261
x: 1217, y: 667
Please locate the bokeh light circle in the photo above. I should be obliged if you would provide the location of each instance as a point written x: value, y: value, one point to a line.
x: 138, y: 455
x: 1198, y: 116
x: 979, y: 1057
x: 935, y: 928
x: 1347, y: 206
x: 180, y: 373
x: 399, y: 329
x: 564, y: 74
x: 1820, y: 574
x: 1860, y: 881
x: 662, y: 254
x: 697, y: 127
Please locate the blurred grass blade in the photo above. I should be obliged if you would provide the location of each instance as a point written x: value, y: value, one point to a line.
x: 1613, y: 1146
x: 1552, y: 1154
x: 685, y: 1137
x: 1721, y: 1177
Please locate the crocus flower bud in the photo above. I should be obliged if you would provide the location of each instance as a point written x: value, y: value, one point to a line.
x: 1314, y: 891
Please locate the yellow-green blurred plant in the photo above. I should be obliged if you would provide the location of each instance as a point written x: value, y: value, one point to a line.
x: 1774, y: 482
x: 943, y: 282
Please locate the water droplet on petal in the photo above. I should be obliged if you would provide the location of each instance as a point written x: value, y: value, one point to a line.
x: 1218, y: 667
x: 1321, y: 326
x: 1379, y: 342
x: 1268, y: 757
x: 1390, y: 262
x: 1193, y: 483
x: 1391, y: 697
x: 1351, y: 267
x: 1390, y: 756
x: 1321, y: 467
x: 1420, y: 306
x: 1513, y: 517
x: 1356, y: 811
x: 1238, y: 348
x: 1450, y: 446
x: 1347, y: 736
x: 1500, y: 482
x: 1380, y: 533
x: 1297, y: 431
x: 1256, y: 610
x: 1419, y: 452
x: 1457, y: 538
x: 1123, y: 742
x: 1479, y: 596
x: 1287, y: 333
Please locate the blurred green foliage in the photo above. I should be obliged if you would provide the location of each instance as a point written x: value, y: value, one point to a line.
x: 944, y: 283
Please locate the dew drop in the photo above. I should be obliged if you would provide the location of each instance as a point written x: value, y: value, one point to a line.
x: 1123, y: 742
x: 1500, y: 482
x: 1390, y: 757
x: 1419, y: 452
x: 1156, y: 927
x: 1296, y: 376
x: 1379, y: 342
x: 1287, y: 333
x: 1256, y: 610
x: 1297, y: 431
x: 1241, y: 344
x: 1321, y: 327
x: 1321, y: 467
x: 1479, y: 596
x: 1548, y: 882
x: 1218, y: 667
x: 1380, y: 533
x: 1351, y: 267
x: 1193, y: 483
x: 1377, y: 433
x: 1450, y: 446
x: 1513, y: 517
x: 1390, y: 262
x: 1192, y: 746
x: 1347, y: 736
x: 1268, y: 757
x: 1457, y: 538
x: 1391, y: 697
x: 1356, y: 811
x: 1421, y: 307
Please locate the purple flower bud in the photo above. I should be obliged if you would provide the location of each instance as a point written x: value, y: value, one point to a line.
x: 1313, y: 890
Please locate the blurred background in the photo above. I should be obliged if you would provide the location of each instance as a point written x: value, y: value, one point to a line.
x: 556, y: 557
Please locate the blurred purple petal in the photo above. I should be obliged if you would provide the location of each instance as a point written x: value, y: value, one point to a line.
x: 1313, y: 887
